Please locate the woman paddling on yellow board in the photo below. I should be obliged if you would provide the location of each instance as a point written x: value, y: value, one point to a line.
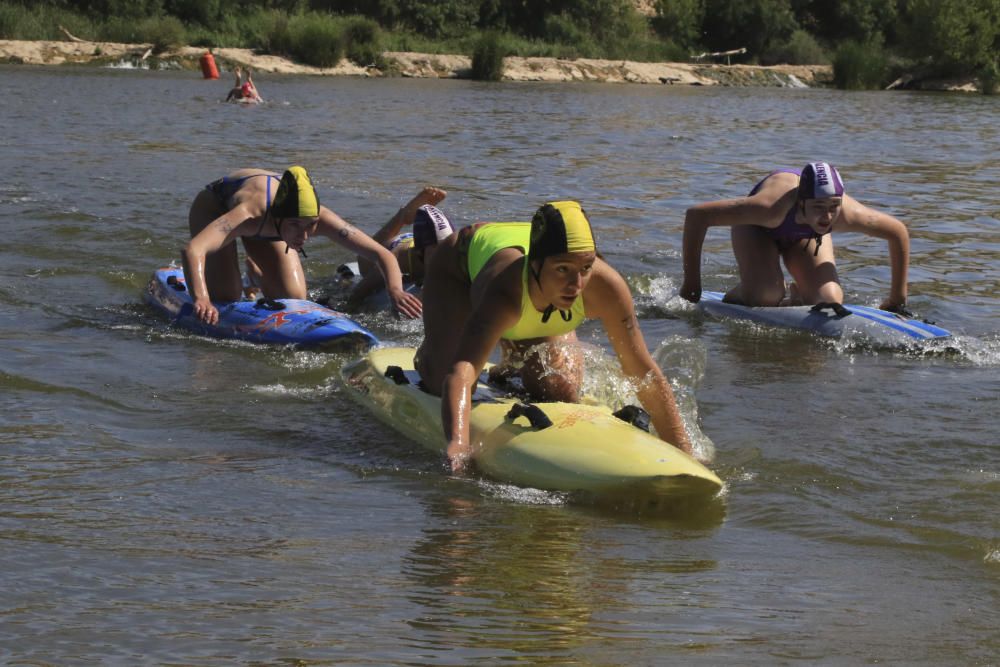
x: 520, y: 284
x: 272, y: 214
x: 789, y: 216
x: 413, y: 249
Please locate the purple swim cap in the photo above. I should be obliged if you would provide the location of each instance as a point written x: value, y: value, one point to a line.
x: 820, y: 180
x: 430, y: 226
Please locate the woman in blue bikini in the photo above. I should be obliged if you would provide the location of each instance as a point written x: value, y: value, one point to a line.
x: 272, y: 214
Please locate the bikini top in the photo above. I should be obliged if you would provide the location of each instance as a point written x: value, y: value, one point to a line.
x: 225, y: 188
x: 490, y: 238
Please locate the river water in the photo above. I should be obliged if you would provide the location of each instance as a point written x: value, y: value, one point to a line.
x: 169, y: 499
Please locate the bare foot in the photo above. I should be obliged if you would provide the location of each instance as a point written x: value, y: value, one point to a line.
x: 252, y: 280
x: 429, y: 195
x: 794, y: 298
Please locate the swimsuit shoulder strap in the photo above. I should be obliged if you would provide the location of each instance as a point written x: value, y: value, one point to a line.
x: 267, y: 204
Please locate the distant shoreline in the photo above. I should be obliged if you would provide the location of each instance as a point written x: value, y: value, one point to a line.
x: 422, y: 65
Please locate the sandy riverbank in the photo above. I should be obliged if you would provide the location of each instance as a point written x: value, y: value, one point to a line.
x: 423, y: 65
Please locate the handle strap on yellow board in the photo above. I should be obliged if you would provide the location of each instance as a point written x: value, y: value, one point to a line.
x: 535, y: 415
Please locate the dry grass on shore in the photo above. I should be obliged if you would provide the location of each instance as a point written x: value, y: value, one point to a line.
x: 424, y: 65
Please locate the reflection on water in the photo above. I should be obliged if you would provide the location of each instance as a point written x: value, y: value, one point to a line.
x: 509, y: 580
x: 172, y: 499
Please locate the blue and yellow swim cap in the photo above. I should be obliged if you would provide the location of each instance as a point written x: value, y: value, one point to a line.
x: 296, y: 197
x: 559, y: 227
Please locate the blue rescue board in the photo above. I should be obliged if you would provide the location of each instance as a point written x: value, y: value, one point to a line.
x: 281, y: 321
x: 879, y: 325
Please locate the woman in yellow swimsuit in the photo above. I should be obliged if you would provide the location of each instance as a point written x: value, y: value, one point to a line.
x: 520, y: 284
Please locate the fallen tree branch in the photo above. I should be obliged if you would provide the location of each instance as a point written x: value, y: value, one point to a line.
x: 719, y: 54
x: 71, y: 36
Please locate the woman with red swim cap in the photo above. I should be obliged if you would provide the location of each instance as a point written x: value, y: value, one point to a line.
x: 789, y: 217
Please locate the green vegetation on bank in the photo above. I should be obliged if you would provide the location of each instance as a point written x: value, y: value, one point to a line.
x: 869, y: 42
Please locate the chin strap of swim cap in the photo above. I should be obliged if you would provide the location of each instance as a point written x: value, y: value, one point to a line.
x: 819, y: 242
x: 808, y: 239
x: 819, y: 180
x: 566, y: 315
x: 296, y: 198
x: 277, y: 226
x: 557, y: 228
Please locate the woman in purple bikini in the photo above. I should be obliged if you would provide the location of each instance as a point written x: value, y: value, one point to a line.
x: 788, y: 217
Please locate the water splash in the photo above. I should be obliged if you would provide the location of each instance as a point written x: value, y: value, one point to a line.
x: 682, y: 360
x: 324, y: 390
x: 981, y: 352
x: 523, y: 495
x: 128, y: 63
x: 658, y: 297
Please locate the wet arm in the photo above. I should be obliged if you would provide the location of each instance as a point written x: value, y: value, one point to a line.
x: 899, y: 258
x: 214, y: 236
x: 383, y: 236
x: 756, y: 210
x: 403, y: 217
x: 860, y: 218
x: 335, y: 228
x: 617, y: 312
x: 479, y: 337
x: 695, y: 228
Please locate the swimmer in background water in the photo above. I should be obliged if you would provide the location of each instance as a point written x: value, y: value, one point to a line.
x: 271, y: 215
x: 520, y: 284
x: 249, y: 90
x: 236, y: 92
x: 412, y: 250
x: 243, y: 90
x: 790, y: 216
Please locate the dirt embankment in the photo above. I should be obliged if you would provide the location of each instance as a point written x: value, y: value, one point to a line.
x: 618, y: 71
x: 420, y: 65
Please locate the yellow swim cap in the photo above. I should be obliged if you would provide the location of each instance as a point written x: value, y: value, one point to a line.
x: 559, y: 227
x: 296, y: 197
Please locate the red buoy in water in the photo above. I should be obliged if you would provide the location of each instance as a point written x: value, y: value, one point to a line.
x: 208, y: 68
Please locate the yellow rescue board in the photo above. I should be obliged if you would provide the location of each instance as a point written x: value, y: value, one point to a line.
x: 586, y: 449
